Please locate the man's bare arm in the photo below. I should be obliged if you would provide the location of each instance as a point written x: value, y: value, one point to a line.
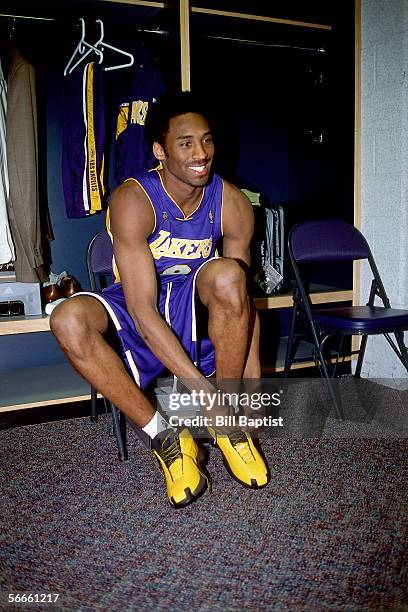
x: 238, y: 224
x: 132, y: 221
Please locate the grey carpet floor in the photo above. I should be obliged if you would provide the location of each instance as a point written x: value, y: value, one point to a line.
x: 328, y: 533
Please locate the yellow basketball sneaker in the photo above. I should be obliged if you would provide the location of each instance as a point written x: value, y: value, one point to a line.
x: 241, y: 458
x: 177, y: 454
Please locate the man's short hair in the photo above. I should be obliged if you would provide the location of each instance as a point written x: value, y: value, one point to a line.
x: 168, y: 106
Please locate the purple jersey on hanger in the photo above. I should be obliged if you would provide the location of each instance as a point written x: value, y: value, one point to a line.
x: 133, y: 155
x: 83, y: 142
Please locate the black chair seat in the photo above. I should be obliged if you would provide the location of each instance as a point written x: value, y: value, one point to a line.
x: 362, y: 319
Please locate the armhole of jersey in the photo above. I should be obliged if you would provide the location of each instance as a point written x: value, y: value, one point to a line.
x: 122, y: 119
x: 108, y: 228
x: 150, y: 200
x: 222, y: 207
x: 115, y: 270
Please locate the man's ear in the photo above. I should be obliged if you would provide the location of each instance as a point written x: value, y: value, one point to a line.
x: 158, y: 151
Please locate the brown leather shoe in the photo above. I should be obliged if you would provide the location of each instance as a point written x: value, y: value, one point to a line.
x: 69, y: 285
x: 50, y: 293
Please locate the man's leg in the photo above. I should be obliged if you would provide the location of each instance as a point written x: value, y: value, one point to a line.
x: 221, y: 287
x: 233, y: 325
x: 252, y: 364
x: 233, y: 328
x: 80, y: 325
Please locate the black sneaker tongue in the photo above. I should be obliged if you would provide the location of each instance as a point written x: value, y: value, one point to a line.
x: 237, y: 437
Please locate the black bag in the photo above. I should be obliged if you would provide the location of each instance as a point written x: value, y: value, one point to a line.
x: 269, y: 249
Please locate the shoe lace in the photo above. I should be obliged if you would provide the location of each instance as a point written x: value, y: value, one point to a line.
x: 170, y: 456
x: 240, y: 443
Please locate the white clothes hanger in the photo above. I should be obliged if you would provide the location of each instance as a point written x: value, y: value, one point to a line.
x: 81, y: 49
x: 103, y: 44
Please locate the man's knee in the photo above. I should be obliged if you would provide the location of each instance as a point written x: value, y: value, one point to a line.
x: 71, y: 324
x: 229, y: 284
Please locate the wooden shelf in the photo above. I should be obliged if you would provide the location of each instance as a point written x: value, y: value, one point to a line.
x: 252, y: 17
x: 24, y: 325
x: 303, y: 354
x: 271, y: 369
x: 321, y: 294
x: 41, y: 386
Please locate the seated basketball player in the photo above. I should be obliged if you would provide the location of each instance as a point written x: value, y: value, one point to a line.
x: 165, y: 228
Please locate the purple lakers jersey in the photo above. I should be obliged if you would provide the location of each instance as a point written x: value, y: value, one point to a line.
x: 180, y: 247
x: 180, y: 244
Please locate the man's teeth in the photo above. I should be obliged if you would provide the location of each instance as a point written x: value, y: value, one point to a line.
x: 197, y: 168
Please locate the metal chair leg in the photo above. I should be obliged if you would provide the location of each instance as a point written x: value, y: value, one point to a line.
x: 291, y: 341
x: 399, y: 337
x: 338, y: 408
x: 116, y: 418
x: 94, y: 414
x: 123, y: 431
x: 340, y: 354
x: 361, y: 354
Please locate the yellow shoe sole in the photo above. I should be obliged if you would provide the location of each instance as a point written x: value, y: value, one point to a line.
x: 190, y: 496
